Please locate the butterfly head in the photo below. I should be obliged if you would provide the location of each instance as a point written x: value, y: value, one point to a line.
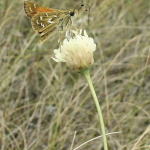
x: 73, y: 13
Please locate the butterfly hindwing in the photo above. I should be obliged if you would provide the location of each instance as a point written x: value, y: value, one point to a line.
x: 45, y: 24
x: 42, y: 21
x: 47, y: 35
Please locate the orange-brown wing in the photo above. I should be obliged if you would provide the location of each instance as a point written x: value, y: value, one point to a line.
x: 32, y: 8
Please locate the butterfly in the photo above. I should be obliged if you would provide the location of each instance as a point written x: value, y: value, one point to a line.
x: 45, y: 21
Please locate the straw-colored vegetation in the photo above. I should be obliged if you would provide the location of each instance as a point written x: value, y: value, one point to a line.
x: 43, y: 103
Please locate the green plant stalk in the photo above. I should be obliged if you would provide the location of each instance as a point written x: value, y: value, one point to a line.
x: 86, y: 74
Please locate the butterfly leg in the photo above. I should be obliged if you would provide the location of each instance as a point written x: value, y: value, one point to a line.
x: 71, y: 28
x: 60, y: 36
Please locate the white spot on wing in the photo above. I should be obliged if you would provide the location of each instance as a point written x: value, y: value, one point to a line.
x: 30, y: 9
x: 41, y: 18
x: 37, y: 22
x: 46, y: 14
x: 42, y: 25
x: 54, y: 16
x: 50, y: 20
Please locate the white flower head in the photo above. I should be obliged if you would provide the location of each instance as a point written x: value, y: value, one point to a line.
x: 77, y: 51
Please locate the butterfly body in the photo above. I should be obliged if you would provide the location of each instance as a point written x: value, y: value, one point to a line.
x: 45, y: 21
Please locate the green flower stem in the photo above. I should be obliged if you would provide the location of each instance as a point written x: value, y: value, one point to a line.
x: 88, y: 78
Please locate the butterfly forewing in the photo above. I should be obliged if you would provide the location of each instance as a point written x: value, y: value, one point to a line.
x: 32, y: 8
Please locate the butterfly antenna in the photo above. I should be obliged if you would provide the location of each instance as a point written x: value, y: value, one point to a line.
x: 86, y: 10
x: 89, y: 15
x: 80, y: 7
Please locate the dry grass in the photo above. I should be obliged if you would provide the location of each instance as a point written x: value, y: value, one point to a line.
x: 43, y: 103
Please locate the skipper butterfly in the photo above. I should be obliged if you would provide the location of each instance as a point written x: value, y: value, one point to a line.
x: 45, y: 21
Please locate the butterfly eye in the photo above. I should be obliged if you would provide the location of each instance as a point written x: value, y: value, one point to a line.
x: 71, y: 13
